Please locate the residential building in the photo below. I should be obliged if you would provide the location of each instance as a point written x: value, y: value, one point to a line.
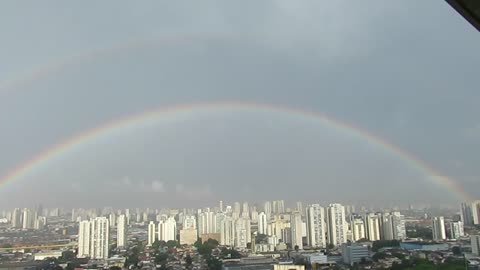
x: 152, y: 235
x: 466, y: 214
x: 337, y: 226
x: 296, y: 230
x: 167, y: 230
x: 456, y: 230
x: 475, y: 242
x: 122, y: 231
x: 262, y: 223
x: 316, y: 227
x: 372, y: 222
x: 438, y: 229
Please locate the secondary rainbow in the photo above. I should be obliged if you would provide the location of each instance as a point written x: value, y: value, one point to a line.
x: 153, y: 115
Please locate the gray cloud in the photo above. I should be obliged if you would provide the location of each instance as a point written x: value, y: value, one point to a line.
x: 409, y: 78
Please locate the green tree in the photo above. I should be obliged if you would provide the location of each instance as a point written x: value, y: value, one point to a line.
x: 7, y: 245
x: 172, y: 244
x: 114, y: 268
x: 230, y: 253
x: 161, y: 258
x: 457, y: 251
x: 67, y: 255
x: 330, y: 246
x: 212, y: 242
x: 213, y: 263
x: 188, y: 260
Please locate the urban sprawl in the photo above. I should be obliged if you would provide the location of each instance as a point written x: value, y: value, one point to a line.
x: 242, y: 236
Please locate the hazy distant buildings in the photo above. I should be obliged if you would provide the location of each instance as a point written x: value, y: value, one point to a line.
x: 262, y: 223
x: 336, y: 224
x: 438, y: 228
x: 316, y: 227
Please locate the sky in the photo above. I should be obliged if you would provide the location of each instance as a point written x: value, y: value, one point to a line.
x: 403, y: 71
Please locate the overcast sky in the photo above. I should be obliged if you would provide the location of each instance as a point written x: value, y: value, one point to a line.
x: 406, y: 71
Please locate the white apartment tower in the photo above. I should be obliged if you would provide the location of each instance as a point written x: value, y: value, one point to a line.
x: 438, y: 228
x: 296, y: 229
x: 358, y: 228
x: 476, y: 212
x: 262, y: 223
x: 242, y: 232
x: 121, y: 231
x: 17, y: 218
x: 372, y: 222
x: 456, y: 230
x: 167, y: 230
x: 206, y: 222
x: 84, y: 239
x: 336, y: 224
x: 399, y: 231
x: 99, y: 241
x: 152, y: 236
x: 93, y: 238
x: 189, y: 222
x: 316, y: 227
x: 227, y: 232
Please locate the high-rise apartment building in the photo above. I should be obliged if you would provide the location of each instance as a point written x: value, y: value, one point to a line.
x: 296, y: 229
x: 17, y: 218
x: 242, y: 232
x: 476, y: 212
x: 336, y: 224
x: 372, y: 226
x: 456, y: 230
x: 93, y: 238
x: 438, y: 228
x: 262, y: 223
x: 475, y: 242
x: 167, y: 230
x: 357, y: 226
x: 206, y: 222
x: 122, y: 231
x: 152, y: 236
x: 316, y: 226
x: 189, y: 222
x: 466, y: 214
x: 227, y: 232
x: 84, y: 239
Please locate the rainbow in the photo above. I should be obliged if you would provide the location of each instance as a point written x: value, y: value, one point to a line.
x: 172, y: 112
x: 27, y: 79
